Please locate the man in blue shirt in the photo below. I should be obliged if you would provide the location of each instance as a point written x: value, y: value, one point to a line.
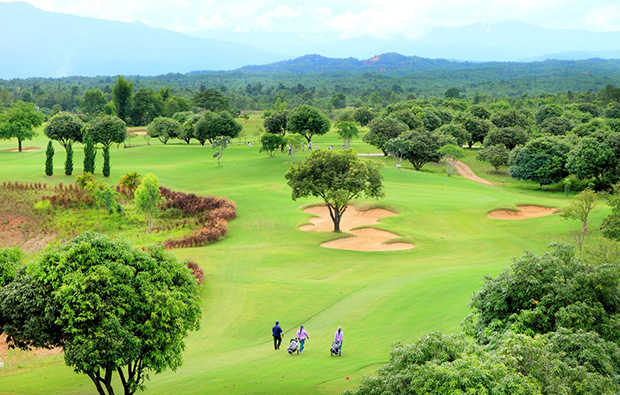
x: 276, y: 331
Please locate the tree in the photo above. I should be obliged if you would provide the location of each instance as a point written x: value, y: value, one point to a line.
x: 382, y: 130
x: 594, y: 157
x: 211, y: 100
x: 509, y: 137
x: 347, y: 130
x: 295, y: 142
x: 213, y: 124
x: 580, y: 209
x: 423, y: 148
x: 398, y: 148
x: 89, y: 156
x: 121, y: 97
x: 49, y: 159
x: 271, y: 143
x: 451, y: 154
x: 112, y: 308
x: 542, y: 160
x: 610, y: 227
x: 547, y: 111
x: 457, y: 131
x: 147, y: 197
x: 497, y: 155
x: 477, y: 128
x: 69, y: 160
x: 363, y: 116
x: 337, y: 178
x: 164, y: 129
x: 276, y: 123
x: 452, y: 93
x: 19, y: 121
x: 146, y: 106
x: 93, y: 103
x: 556, y: 126
x: 509, y: 119
x: 219, y: 144
x: 66, y: 129
x: 106, y: 130
x: 308, y: 121
x: 339, y: 100
x: 10, y: 262
x: 129, y: 182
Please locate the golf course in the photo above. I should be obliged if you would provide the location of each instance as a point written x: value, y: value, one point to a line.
x: 267, y: 269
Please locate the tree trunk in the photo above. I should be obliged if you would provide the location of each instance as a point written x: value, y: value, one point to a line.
x: 97, y: 384
x: 19, y: 145
x: 108, y: 382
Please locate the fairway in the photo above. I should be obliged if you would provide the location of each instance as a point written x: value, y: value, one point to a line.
x: 267, y: 269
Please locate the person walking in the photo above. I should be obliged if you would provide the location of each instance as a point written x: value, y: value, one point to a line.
x: 302, y: 335
x: 276, y: 332
x: 338, y: 337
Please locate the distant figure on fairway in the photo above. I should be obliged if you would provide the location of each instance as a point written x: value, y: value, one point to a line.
x: 338, y: 338
x: 276, y: 332
x: 302, y: 335
x: 309, y: 146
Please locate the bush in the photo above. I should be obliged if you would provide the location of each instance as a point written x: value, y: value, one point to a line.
x: 10, y: 260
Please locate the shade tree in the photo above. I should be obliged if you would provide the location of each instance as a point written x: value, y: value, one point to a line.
x: 423, y: 148
x: 276, y: 123
x: 164, y: 129
x: 19, y: 121
x: 66, y: 129
x: 308, y: 121
x: 337, y: 177
x: 271, y: 143
x: 382, y: 130
x: 497, y: 155
x: 542, y: 160
x: 347, y: 130
x: 510, y: 137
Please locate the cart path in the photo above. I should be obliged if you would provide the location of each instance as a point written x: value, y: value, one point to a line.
x: 467, y: 172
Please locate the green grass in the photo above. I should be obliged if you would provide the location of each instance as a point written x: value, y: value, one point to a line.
x: 268, y: 270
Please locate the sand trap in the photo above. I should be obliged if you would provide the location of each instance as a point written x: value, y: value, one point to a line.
x: 365, y: 239
x: 524, y: 212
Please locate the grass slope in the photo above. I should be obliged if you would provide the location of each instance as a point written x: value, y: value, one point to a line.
x: 268, y: 270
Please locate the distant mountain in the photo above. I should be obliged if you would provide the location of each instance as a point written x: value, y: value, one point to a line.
x: 37, y: 43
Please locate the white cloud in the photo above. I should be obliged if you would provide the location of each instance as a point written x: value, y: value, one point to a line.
x: 606, y: 18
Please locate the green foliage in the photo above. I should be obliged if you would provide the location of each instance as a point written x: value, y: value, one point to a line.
x: 106, y: 130
x: 509, y: 119
x: 49, y: 159
x: 510, y: 137
x: 111, y: 307
x: 164, y: 129
x: 547, y: 111
x: 347, y: 130
x: 89, y: 156
x: 295, y: 142
x: 83, y: 180
x: 610, y: 227
x: 20, y: 121
x: 363, y: 116
x: 213, y: 124
x: 64, y: 128
x: 337, y: 178
x: 129, y: 182
x: 542, y: 160
x: 106, y: 162
x: 597, y: 156
x: 580, y: 209
x: 382, y: 130
x: 276, y: 123
x: 271, y: 143
x: 147, y: 197
x: 556, y: 126
x: 308, y: 121
x: 121, y: 97
x: 69, y: 159
x: 398, y: 147
x: 423, y: 148
x: 451, y: 154
x: 219, y: 145
x: 10, y: 261
x: 93, y: 102
x: 460, y: 134
x: 146, y: 106
x: 476, y: 127
x: 497, y: 155
x: 211, y: 100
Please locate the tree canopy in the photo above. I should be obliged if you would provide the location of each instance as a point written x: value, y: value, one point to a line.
x: 20, y: 121
x: 113, y: 309
x: 308, y: 121
x: 107, y: 130
x: 337, y: 178
x: 164, y: 129
x: 64, y: 128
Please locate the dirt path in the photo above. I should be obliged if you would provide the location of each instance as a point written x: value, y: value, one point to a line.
x: 467, y: 172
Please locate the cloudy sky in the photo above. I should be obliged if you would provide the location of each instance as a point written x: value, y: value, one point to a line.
x: 381, y: 19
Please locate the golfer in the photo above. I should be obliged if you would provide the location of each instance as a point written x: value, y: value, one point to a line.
x: 276, y: 332
x: 338, y: 337
x: 302, y: 335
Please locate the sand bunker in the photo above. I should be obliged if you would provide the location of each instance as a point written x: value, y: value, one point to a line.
x: 365, y: 239
x: 523, y: 213
x: 25, y: 149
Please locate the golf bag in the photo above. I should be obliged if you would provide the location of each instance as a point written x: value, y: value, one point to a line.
x: 293, y: 346
x: 335, y: 350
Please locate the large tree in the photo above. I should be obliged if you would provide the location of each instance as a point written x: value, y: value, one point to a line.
x: 595, y: 157
x: 509, y: 137
x: 112, y: 308
x: 276, y: 123
x: 146, y: 106
x: 164, y: 129
x: 423, y: 148
x: 20, y: 121
x: 214, y: 124
x: 93, y: 103
x: 122, y: 97
x: 308, y: 121
x: 542, y: 160
x: 382, y: 130
x: 66, y: 129
x: 337, y: 178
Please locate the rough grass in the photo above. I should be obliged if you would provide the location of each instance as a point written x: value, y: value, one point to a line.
x: 267, y: 269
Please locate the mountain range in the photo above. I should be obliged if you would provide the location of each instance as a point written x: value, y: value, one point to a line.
x: 38, y: 43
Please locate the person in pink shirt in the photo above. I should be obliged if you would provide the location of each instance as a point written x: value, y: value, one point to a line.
x: 302, y: 335
x: 339, y: 335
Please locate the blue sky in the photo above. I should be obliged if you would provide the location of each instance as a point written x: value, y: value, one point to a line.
x: 341, y: 19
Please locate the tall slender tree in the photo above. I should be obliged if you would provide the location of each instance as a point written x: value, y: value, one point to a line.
x: 49, y: 159
x: 121, y: 97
